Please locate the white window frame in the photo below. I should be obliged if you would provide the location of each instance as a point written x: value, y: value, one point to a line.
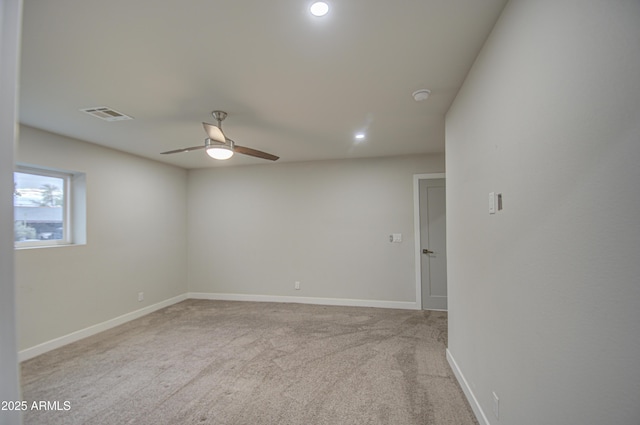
x: 67, y: 236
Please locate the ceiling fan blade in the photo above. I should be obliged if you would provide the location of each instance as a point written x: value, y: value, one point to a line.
x: 254, y: 152
x: 192, y: 148
x: 214, y: 132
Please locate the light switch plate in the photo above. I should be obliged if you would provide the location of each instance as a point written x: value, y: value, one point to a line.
x: 396, y: 237
x: 492, y: 203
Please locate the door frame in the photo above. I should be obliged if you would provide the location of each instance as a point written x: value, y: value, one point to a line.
x: 416, y: 228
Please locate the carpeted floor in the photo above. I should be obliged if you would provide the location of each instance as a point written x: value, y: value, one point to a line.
x: 220, y: 362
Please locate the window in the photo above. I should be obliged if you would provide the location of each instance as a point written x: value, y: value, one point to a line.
x: 42, y: 207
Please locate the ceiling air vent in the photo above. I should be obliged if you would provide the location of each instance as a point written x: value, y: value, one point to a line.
x: 106, y: 114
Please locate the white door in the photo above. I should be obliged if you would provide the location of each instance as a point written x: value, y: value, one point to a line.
x: 433, y: 244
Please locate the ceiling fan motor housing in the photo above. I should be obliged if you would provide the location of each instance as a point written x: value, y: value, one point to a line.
x: 219, y: 116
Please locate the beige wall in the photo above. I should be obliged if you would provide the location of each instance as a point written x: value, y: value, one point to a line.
x: 136, y: 241
x: 258, y: 229
x: 544, y: 296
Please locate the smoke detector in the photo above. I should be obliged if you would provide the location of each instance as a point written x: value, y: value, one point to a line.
x: 420, y: 95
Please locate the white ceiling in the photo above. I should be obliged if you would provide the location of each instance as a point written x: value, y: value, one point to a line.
x: 294, y: 85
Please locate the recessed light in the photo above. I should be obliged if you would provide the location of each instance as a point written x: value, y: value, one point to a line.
x: 319, y: 8
x: 360, y: 136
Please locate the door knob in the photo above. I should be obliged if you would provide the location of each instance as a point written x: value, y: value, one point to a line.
x: 427, y: 251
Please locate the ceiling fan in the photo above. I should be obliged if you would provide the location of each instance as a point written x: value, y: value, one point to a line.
x: 219, y: 146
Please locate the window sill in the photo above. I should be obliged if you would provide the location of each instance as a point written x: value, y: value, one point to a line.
x: 61, y: 245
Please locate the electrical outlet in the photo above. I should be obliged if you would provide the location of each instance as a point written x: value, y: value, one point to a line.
x: 140, y: 296
x: 296, y: 286
x: 496, y: 405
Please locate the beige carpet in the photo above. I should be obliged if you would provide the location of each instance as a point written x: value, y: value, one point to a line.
x: 219, y: 362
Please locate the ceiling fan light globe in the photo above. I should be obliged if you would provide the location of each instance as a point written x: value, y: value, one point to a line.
x: 220, y: 153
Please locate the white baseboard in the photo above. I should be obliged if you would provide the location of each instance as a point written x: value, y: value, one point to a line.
x: 32, y: 352
x: 473, y: 401
x: 402, y: 305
